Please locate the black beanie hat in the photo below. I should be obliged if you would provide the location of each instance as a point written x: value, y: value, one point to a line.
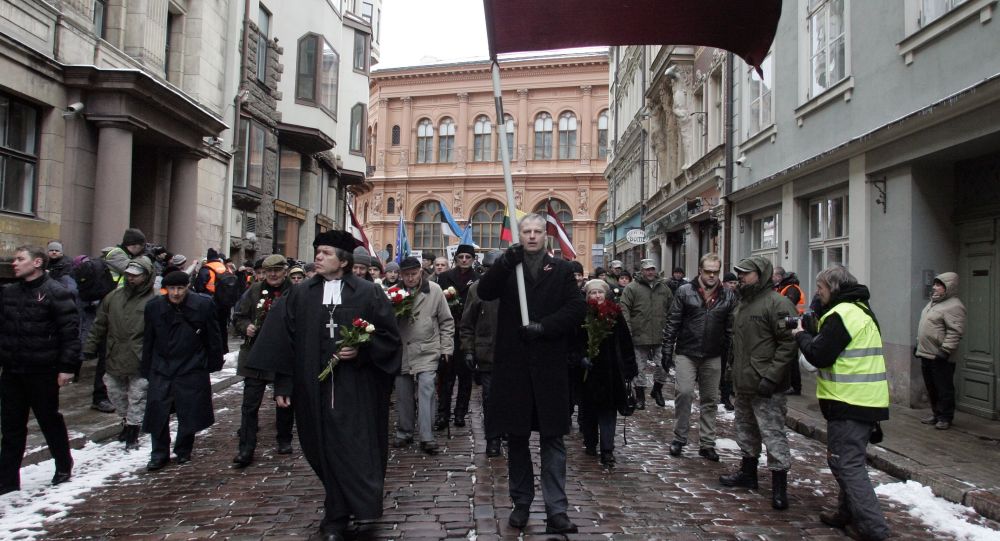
x: 212, y: 254
x: 465, y: 249
x: 176, y: 278
x: 409, y: 263
x: 259, y: 264
x: 133, y: 236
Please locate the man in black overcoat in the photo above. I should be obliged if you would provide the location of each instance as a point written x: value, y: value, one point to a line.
x: 461, y: 277
x: 343, y: 419
x: 530, y: 379
x: 181, y: 345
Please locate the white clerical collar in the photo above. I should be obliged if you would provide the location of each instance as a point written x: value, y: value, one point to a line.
x: 331, y: 291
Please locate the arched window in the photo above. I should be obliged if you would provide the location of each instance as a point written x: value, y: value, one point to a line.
x: 427, y: 228
x: 509, y: 132
x: 602, y: 135
x: 487, y: 220
x: 543, y: 136
x: 446, y: 141
x: 567, y: 136
x: 395, y: 135
x: 425, y: 141
x: 483, y: 131
x: 390, y: 206
x: 565, y: 216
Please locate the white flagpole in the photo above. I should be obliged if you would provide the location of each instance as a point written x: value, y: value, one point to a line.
x: 509, y: 183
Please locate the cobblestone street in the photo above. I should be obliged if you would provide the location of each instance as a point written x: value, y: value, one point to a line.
x: 460, y: 493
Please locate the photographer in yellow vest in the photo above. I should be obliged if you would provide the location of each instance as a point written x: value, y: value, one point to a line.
x: 853, y: 394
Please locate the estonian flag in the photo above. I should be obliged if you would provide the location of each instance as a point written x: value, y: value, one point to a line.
x: 449, y: 227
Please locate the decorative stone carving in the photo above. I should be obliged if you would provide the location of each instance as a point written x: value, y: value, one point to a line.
x: 518, y: 199
x: 456, y: 206
x: 380, y: 159
x: 581, y: 208
x: 377, y: 205
x: 586, y: 89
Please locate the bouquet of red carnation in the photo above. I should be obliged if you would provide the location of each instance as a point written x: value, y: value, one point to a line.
x: 358, y: 333
x: 402, y: 302
x: 451, y: 295
x: 600, y: 321
x: 263, y: 307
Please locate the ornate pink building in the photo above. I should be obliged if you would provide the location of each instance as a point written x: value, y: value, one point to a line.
x: 433, y: 138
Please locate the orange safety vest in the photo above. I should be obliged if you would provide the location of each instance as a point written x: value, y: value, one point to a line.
x: 217, y: 268
x: 801, y: 305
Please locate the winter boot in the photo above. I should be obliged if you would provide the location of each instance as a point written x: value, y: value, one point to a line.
x: 608, y: 459
x: 746, y: 477
x: 657, y: 394
x: 124, y: 430
x: 779, y: 489
x: 131, y: 437
x: 640, y: 398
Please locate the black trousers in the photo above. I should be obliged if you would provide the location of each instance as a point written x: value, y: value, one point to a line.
x: 38, y: 393
x: 100, y: 390
x: 454, y: 369
x: 939, y: 377
x: 486, y: 380
x: 161, y: 442
x: 253, y: 396
x: 796, y: 376
x: 596, y: 422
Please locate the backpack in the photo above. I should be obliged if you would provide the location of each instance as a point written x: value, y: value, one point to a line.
x: 94, y: 280
x: 227, y: 288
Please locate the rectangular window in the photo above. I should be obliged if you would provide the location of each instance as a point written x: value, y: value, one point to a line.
x: 360, y: 51
x: 765, y: 233
x: 760, y: 112
x: 305, y: 71
x: 828, y: 232
x: 329, y: 78
x: 264, y: 26
x: 18, y: 155
x: 100, y: 14
x: 931, y: 10
x: 317, y: 73
x: 367, y: 11
x: 249, y: 159
x: 357, y: 129
x: 290, y: 177
x: 543, y: 145
x: 286, y: 235
x: 827, y: 44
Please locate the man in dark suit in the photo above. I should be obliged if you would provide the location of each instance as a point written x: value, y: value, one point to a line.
x: 530, y: 380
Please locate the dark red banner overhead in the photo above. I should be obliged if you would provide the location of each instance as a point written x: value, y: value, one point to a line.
x: 745, y: 27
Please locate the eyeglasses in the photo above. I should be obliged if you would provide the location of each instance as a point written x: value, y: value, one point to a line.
x: 712, y: 272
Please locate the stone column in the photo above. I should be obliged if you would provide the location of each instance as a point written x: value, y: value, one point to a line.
x: 382, y: 134
x: 586, y: 124
x: 408, y: 130
x: 462, y: 129
x: 112, y: 185
x: 309, y: 192
x: 182, y: 222
x: 524, y: 125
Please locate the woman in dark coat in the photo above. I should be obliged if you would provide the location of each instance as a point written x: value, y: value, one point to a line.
x: 181, y: 345
x: 604, y: 377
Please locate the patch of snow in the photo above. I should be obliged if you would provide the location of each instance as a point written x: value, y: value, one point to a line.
x: 939, y: 514
x: 726, y: 443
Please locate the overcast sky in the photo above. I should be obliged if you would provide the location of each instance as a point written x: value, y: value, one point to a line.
x: 417, y: 32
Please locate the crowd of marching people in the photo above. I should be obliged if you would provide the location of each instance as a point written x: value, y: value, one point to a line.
x: 341, y: 338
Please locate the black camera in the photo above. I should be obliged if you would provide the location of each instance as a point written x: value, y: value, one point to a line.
x: 808, y: 322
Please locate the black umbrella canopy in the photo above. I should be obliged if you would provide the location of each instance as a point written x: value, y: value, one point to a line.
x: 745, y: 27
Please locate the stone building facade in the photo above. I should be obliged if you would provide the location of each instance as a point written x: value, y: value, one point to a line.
x: 434, y: 140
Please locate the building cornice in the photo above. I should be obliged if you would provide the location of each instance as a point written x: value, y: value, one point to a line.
x: 480, y: 69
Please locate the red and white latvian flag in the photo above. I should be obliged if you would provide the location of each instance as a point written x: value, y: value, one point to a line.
x: 555, y: 229
x: 359, y: 234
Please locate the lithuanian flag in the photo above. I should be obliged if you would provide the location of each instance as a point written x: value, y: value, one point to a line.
x: 505, y: 234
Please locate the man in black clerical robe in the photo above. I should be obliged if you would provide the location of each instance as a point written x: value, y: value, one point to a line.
x: 344, y: 435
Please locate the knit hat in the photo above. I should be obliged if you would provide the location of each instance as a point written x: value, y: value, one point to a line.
x: 212, y: 254
x: 274, y: 261
x: 133, y: 236
x: 310, y: 267
x: 465, y: 249
x: 55, y: 246
x: 258, y: 264
x: 428, y: 255
x: 729, y: 277
x: 175, y: 278
x: 178, y: 260
x: 392, y: 266
x: 361, y: 256
x: 409, y: 263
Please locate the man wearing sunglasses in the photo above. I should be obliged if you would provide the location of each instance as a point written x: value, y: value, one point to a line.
x: 461, y: 277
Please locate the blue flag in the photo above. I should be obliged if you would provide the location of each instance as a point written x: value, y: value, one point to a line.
x: 449, y: 227
x: 402, y: 243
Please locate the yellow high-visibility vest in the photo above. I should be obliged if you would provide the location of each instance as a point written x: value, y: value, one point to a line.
x: 858, y: 376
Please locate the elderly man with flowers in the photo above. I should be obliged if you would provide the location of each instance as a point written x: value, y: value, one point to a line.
x: 427, y: 330
x: 249, y: 316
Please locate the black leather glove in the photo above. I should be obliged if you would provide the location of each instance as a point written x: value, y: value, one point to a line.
x: 470, y: 362
x: 666, y: 359
x: 765, y: 388
x: 532, y: 331
x: 512, y: 256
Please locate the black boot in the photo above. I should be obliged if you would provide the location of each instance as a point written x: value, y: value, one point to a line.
x: 657, y: 395
x: 779, y: 489
x: 746, y: 477
x: 131, y: 437
x: 640, y: 398
x: 122, y: 434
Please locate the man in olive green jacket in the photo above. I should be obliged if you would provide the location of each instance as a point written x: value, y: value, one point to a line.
x: 763, y: 349
x: 120, y: 322
x: 645, y: 303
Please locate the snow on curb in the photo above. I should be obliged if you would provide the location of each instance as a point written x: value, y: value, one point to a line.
x: 937, y: 513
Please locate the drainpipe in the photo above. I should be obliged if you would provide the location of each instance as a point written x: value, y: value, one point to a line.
x: 642, y: 158
x: 727, y: 248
